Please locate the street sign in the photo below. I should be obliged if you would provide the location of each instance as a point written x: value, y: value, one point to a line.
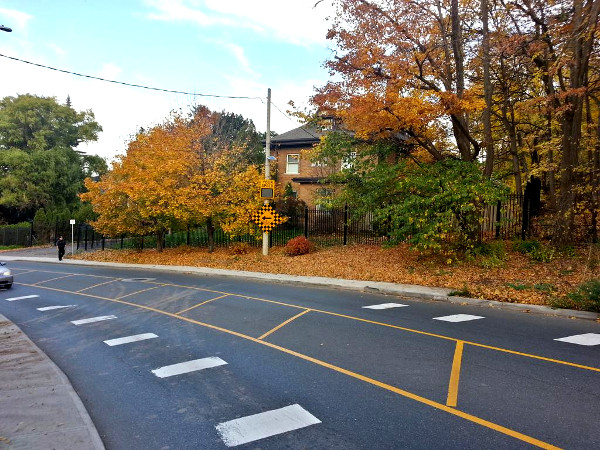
x: 267, y: 218
x: 267, y: 188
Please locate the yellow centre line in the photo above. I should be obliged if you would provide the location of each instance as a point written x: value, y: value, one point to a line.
x: 283, y: 324
x: 396, y: 327
x: 200, y: 304
x: 99, y: 284
x: 401, y: 392
x: 455, y: 375
x: 139, y: 292
x: 53, y: 279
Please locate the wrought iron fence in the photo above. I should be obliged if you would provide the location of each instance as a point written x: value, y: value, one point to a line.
x: 322, y: 226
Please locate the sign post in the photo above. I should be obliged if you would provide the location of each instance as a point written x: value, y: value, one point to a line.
x: 72, y: 222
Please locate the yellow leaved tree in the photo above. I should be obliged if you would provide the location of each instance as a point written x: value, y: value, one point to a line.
x: 169, y: 180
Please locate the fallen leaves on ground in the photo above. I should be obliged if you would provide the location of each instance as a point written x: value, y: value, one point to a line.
x: 517, y: 279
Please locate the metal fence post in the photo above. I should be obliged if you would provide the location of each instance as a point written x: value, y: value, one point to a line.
x: 306, y: 222
x: 498, y: 217
x: 346, y: 224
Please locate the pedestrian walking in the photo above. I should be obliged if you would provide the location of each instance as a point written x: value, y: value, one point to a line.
x: 61, y: 247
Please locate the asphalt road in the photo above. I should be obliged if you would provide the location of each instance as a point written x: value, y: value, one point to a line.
x: 212, y: 362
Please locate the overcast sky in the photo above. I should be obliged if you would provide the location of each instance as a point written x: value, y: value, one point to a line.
x: 219, y: 47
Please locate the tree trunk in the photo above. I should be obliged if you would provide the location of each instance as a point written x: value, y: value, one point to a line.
x: 160, y: 235
x: 487, y: 93
x: 581, y: 43
x: 210, y: 231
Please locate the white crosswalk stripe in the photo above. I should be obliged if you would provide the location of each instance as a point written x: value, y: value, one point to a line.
x: 270, y: 423
x: 588, y: 339
x: 50, y: 308
x: 92, y: 320
x: 458, y: 318
x: 188, y: 366
x: 24, y: 297
x: 130, y: 339
x: 385, y: 306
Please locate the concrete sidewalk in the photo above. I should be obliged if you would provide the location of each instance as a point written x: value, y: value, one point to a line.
x: 39, y: 408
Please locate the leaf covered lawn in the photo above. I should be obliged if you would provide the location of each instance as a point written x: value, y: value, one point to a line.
x: 515, y: 279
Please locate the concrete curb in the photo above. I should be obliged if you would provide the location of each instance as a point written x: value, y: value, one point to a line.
x: 401, y: 290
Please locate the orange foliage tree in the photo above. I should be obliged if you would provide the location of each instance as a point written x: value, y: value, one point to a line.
x: 402, y: 68
x: 167, y: 180
x: 513, y: 84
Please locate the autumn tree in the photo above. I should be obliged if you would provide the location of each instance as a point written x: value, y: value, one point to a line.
x: 168, y: 180
x: 512, y: 84
x: 397, y: 79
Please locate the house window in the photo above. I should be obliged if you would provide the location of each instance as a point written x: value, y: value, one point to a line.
x: 293, y: 164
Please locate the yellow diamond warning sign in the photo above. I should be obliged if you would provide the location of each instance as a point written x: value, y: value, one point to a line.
x: 267, y: 218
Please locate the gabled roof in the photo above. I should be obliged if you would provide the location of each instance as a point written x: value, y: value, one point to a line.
x: 304, y: 135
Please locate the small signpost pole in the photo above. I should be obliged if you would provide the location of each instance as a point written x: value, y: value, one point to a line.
x: 72, y: 222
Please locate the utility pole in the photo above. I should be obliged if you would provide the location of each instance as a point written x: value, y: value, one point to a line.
x: 267, y: 165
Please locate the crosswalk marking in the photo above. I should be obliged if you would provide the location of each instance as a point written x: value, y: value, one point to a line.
x: 50, y: 308
x: 12, y: 299
x: 582, y: 339
x: 92, y: 319
x: 266, y: 424
x: 129, y: 339
x: 385, y: 306
x: 188, y: 366
x: 458, y: 318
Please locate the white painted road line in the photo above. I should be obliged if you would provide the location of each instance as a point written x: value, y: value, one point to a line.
x: 266, y: 424
x: 129, y: 339
x: 12, y: 299
x: 50, y: 308
x: 458, y: 318
x: 582, y: 339
x: 385, y: 306
x: 92, y: 319
x: 188, y: 366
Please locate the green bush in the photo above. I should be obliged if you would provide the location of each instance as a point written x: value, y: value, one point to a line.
x: 462, y: 292
x: 527, y: 246
x: 298, y: 246
x: 587, y: 296
x: 536, y: 250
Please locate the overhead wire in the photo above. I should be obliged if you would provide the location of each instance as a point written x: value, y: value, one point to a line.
x: 171, y: 91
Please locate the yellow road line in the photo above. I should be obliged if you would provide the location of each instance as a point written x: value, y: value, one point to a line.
x: 455, y: 375
x: 383, y: 324
x: 283, y: 324
x: 99, y: 284
x: 27, y: 271
x: 401, y: 392
x: 200, y: 304
x: 52, y: 279
x: 139, y: 292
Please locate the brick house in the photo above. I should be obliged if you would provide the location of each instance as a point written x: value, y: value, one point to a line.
x: 293, y: 165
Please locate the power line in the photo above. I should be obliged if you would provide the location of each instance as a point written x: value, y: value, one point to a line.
x: 129, y: 84
x: 304, y: 127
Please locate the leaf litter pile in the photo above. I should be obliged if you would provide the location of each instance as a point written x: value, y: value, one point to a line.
x: 517, y: 278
